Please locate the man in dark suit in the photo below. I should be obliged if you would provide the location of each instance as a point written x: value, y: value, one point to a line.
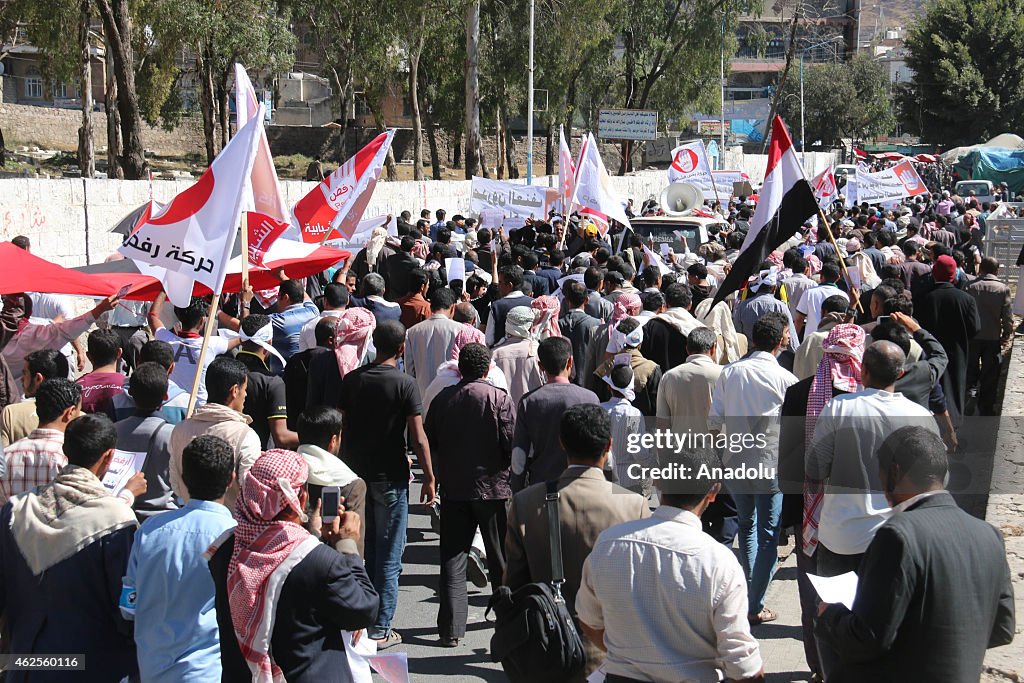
x: 952, y: 316
x: 926, y: 608
x: 398, y: 269
x: 587, y: 505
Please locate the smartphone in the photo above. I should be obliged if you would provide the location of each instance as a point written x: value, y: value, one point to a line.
x: 330, y: 501
x: 883, y: 319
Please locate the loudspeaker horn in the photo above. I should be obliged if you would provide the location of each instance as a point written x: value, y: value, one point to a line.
x: 679, y: 199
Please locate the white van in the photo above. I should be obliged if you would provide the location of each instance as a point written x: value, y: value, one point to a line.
x: 983, y: 190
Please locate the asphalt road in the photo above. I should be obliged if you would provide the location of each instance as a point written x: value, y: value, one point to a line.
x: 416, y: 618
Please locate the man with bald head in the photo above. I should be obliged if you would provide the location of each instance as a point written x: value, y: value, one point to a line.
x: 843, y: 452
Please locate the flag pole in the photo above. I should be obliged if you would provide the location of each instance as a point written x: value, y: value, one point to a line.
x: 211, y: 319
x: 846, y: 273
x: 243, y: 228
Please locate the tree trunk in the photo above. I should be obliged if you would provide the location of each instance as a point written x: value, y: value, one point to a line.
x: 86, y: 149
x: 378, y: 120
x: 472, y: 124
x: 117, y: 25
x: 435, y: 160
x: 415, y: 50
x: 777, y: 95
x: 510, y: 151
x: 457, y: 151
x: 225, y: 114
x: 114, y: 169
x: 484, y: 169
x: 342, y: 90
x: 204, y: 66
x: 549, y: 149
x: 499, y: 138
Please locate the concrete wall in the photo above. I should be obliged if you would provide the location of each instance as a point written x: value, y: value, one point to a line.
x: 69, y: 219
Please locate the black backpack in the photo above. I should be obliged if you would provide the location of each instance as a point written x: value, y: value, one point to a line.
x: 535, y: 636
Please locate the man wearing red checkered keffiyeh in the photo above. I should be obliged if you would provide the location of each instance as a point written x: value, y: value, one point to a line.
x: 269, y: 544
x: 839, y: 370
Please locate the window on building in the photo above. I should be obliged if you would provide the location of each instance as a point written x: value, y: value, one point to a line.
x: 362, y: 105
x: 34, y: 88
x: 61, y: 91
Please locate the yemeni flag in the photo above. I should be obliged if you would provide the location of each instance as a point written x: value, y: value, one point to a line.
x: 786, y: 200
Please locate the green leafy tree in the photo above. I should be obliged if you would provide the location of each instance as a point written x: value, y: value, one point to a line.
x: 840, y: 101
x: 967, y: 57
x: 671, y: 51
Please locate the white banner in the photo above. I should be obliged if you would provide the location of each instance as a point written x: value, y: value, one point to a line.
x: 889, y: 185
x: 724, y: 181
x: 512, y: 199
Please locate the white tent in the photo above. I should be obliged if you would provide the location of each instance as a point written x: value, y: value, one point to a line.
x: 1007, y: 140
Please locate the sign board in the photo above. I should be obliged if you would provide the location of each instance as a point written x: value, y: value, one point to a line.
x: 627, y: 124
x: 659, y: 151
x: 511, y: 199
x: 712, y: 127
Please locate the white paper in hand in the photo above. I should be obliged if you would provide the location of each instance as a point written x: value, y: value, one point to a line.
x: 456, y: 268
x: 123, y: 467
x: 357, y: 656
x: 836, y: 589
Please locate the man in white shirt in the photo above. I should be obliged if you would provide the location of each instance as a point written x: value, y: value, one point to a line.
x: 848, y: 433
x: 797, y: 283
x: 187, y: 342
x: 808, y: 310
x: 627, y: 420
x: 334, y: 304
x: 664, y: 599
x: 746, y: 405
x: 428, y: 344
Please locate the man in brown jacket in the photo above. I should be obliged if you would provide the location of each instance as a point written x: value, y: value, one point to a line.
x: 226, y: 383
x: 587, y: 505
x: 988, y: 347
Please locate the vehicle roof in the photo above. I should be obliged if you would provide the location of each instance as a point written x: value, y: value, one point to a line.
x: 693, y: 220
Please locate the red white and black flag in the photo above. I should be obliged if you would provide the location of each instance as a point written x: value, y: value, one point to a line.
x: 786, y: 200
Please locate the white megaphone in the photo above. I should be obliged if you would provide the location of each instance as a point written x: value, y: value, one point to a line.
x: 679, y: 199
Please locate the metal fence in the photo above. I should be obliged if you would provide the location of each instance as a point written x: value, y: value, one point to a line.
x: 1004, y: 239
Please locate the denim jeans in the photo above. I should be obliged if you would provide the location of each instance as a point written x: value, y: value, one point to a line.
x: 759, y: 539
x: 387, y: 517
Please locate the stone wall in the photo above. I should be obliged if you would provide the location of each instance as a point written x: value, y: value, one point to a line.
x: 55, y: 128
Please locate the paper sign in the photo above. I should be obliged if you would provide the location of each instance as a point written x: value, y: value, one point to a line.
x: 123, y: 467
x: 491, y: 218
x: 393, y: 667
x: 456, y: 268
x: 664, y: 249
x: 836, y: 589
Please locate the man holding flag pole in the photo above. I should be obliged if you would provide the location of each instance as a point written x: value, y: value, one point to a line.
x: 190, y: 239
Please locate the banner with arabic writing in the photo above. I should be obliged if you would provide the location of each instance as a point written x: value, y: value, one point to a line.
x: 512, y: 199
x: 194, y: 233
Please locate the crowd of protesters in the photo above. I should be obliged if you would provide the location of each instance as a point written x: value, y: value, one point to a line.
x: 170, y: 546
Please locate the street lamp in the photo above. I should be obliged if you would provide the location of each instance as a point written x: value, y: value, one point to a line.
x: 803, y: 53
x: 529, y: 106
